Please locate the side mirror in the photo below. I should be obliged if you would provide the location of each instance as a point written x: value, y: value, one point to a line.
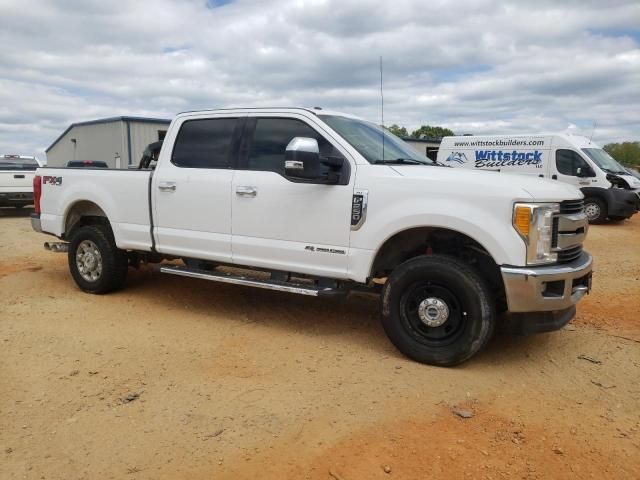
x: 302, y: 158
x: 585, y: 171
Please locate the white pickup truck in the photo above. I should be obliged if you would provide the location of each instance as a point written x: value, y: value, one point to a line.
x: 16, y: 180
x: 320, y: 203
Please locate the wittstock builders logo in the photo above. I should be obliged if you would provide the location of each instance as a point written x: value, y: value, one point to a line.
x: 498, y: 158
x: 457, y: 157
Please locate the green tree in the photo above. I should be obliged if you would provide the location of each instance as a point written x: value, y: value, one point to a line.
x: 398, y: 131
x: 626, y: 153
x: 429, y: 131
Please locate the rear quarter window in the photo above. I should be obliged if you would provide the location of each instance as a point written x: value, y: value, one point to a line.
x: 17, y: 163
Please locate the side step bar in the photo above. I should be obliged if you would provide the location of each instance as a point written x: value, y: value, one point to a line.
x: 222, y: 277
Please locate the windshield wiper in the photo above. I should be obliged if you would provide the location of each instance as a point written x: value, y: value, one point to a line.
x: 389, y: 161
x: 615, y: 172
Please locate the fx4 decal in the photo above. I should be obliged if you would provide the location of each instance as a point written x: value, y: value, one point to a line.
x: 49, y: 180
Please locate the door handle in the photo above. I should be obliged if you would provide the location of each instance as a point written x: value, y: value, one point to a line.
x: 167, y: 186
x: 246, y: 191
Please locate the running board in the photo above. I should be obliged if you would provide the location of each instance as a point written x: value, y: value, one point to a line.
x: 250, y: 282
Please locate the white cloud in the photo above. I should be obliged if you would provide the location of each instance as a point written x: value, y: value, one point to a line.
x: 474, y: 66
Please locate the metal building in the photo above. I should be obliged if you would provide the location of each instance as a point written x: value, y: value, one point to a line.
x: 117, y: 141
x: 426, y: 146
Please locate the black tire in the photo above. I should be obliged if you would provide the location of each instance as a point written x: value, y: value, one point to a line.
x: 471, y: 317
x: 113, y: 262
x: 615, y: 218
x: 596, y: 210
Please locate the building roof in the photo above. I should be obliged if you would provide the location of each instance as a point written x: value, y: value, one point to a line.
x: 422, y: 140
x: 162, y: 121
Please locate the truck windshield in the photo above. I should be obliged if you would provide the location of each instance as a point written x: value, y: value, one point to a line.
x: 16, y: 162
x: 604, y: 161
x: 366, y: 138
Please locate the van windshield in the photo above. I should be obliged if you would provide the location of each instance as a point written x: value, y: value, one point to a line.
x: 367, y: 139
x: 605, y: 161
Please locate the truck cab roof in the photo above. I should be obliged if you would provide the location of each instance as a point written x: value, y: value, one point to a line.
x: 312, y: 110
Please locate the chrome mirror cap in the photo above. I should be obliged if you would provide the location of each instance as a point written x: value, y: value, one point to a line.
x: 303, y: 144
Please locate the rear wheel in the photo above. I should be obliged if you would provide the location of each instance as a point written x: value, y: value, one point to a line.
x: 437, y: 310
x: 96, y: 264
x: 596, y: 210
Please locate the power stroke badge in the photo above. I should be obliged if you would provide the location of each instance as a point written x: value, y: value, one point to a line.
x: 359, y: 208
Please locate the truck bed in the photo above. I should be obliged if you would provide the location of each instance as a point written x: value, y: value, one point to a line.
x: 123, y: 195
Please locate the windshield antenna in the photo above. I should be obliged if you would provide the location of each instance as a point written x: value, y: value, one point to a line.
x: 382, y: 107
x: 592, y: 131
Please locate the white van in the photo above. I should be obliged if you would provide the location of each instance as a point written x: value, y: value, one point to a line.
x: 610, y: 192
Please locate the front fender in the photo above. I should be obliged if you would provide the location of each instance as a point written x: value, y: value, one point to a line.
x: 490, y: 227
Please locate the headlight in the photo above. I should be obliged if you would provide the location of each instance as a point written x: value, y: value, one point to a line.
x: 534, y: 223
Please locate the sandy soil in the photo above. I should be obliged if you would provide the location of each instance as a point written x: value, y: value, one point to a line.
x: 182, y: 379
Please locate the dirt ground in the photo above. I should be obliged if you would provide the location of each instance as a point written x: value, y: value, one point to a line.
x: 175, y: 378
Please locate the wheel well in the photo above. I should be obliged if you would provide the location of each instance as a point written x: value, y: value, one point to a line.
x: 592, y: 192
x: 429, y: 240
x: 84, y: 213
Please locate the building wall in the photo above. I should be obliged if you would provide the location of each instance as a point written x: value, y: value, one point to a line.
x: 107, y: 142
x: 142, y: 134
x: 424, y: 147
x: 102, y: 142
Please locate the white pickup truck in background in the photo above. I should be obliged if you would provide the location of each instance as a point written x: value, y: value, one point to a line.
x: 16, y: 180
x: 322, y: 203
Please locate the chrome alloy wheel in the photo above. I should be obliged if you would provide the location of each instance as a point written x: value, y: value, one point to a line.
x: 89, y: 261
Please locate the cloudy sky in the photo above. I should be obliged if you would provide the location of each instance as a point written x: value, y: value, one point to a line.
x: 477, y: 67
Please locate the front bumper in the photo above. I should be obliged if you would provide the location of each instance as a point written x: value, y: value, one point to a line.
x: 12, y: 199
x: 547, y: 288
x: 537, y: 322
x: 622, y: 203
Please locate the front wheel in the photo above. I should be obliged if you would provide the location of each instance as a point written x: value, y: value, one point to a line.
x: 596, y: 210
x: 437, y: 310
x: 95, y: 262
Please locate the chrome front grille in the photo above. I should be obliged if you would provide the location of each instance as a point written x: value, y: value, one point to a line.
x: 569, y: 230
x: 569, y: 254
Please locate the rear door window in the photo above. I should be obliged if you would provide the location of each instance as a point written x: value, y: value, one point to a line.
x: 205, y: 143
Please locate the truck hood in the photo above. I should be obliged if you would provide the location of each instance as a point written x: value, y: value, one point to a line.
x: 514, y: 185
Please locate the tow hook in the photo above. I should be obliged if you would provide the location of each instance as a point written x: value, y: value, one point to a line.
x: 57, y: 247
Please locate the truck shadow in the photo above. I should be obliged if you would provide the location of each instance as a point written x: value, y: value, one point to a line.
x: 247, y: 305
x: 354, y: 319
x: 11, y: 212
